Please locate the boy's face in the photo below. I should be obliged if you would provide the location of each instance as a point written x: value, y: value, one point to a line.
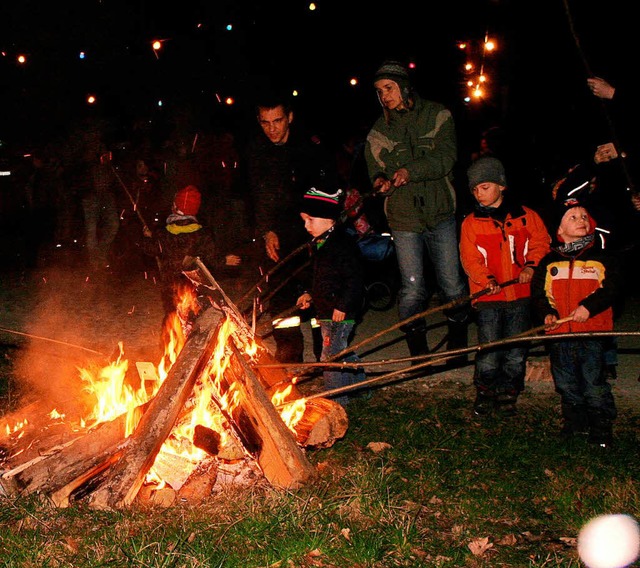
x: 575, y: 224
x: 315, y: 226
x: 488, y: 193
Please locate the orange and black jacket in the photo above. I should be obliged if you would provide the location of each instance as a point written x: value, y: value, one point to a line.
x: 589, y: 277
x: 498, y: 245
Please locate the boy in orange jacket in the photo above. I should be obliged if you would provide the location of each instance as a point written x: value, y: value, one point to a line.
x: 500, y: 241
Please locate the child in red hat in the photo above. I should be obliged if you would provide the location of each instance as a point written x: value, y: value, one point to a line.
x: 183, y: 236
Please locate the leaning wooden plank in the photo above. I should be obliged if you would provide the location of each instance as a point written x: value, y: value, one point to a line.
x: 264, y: 434
x: 125, y: 479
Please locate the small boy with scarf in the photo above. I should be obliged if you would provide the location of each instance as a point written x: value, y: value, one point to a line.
x: 581, y: 281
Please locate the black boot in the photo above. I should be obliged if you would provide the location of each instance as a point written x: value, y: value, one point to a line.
x: 485, y: 402
x: 506, y: 402
x: 457, y: 338
x: 416, y: 337
x: 575, y: 418
x: 600, y: 429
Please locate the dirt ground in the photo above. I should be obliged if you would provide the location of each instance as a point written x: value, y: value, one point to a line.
x: 60, y: 317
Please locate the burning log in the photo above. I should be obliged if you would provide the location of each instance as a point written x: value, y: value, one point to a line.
x: 128, y: 474
x: 264, y: 433
x: 64, y: 469
x: 324, y: 421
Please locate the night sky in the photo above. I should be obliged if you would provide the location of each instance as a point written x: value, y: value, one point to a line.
x: 538, y: 77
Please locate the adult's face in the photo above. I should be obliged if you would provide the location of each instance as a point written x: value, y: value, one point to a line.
x: 389, y: 94
x: 275, y: 123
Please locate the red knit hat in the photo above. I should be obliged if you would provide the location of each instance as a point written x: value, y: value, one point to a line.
x: 187, y: 200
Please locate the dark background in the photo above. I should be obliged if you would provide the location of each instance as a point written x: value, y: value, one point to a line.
x: 539, y: 94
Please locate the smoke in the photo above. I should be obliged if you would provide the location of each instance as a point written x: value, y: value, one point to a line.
x: 74, y: 322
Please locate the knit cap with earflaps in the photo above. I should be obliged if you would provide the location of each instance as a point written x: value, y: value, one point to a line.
x: 394, y: 71
x: 317, y: 203
x: 187, y: 200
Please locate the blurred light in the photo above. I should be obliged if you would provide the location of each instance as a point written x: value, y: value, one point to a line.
x: 353, y: 81
x: 490, y: 45
x: 82, y: 55
x: 229, y: 101
x: 295, y: 92
x: 482, y: 78
x: 477, y: 92
x: 156, y: 44
x: 468, y: 66
x: 412, y: 65
x: 469, y: 83
x: 91, y: 99
x: 159, y: 104
x: 312, y: 6
x: 462, y: 45
x: 467, y: 99
x: 229, y: 27
x: 22, y: 58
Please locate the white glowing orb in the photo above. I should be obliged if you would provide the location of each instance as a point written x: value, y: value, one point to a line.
x: 609, y: 541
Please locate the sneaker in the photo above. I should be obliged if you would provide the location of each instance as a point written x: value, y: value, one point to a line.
x: 602, y: 438
x: 483, y: 405
x: 506, y: 404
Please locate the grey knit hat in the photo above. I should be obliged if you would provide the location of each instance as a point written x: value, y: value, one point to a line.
x: 394, y: 71
x: 484, y: 170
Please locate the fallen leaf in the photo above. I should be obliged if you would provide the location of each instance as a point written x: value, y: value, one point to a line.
x: 479, y: 546
x: 314, y: 552
x: 346, y: 533
x: 507, y: 540
x: 435, y: 500
x: 569, y: 540
x: 377, y: 447
x: 71, y: 544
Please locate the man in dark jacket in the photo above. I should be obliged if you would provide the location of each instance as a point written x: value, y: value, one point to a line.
x: 282, y: 162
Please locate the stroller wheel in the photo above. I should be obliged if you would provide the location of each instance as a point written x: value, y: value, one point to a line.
x: 379, y: 296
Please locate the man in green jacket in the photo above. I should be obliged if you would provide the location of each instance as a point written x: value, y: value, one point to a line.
x: 411, y: 151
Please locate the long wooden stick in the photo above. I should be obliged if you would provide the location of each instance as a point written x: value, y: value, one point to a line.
x: 446, y: 355
x: 428, y: 312
x: 31, y: 336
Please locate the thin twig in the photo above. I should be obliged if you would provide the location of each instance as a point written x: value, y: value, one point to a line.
x: 31, y: 336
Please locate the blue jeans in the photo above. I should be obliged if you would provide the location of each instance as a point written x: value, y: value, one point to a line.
x: 578, y: 373
x: 502, y: 370
x: 441, y: 244
x: 335, y: 338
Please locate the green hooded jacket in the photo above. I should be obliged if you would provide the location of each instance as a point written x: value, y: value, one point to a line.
x: 422, y: 140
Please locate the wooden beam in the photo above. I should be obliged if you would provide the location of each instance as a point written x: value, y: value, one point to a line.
x: 263, y: 432
x: 127, y: 476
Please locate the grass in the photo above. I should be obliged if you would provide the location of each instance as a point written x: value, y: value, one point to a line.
x: 451, y: 490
